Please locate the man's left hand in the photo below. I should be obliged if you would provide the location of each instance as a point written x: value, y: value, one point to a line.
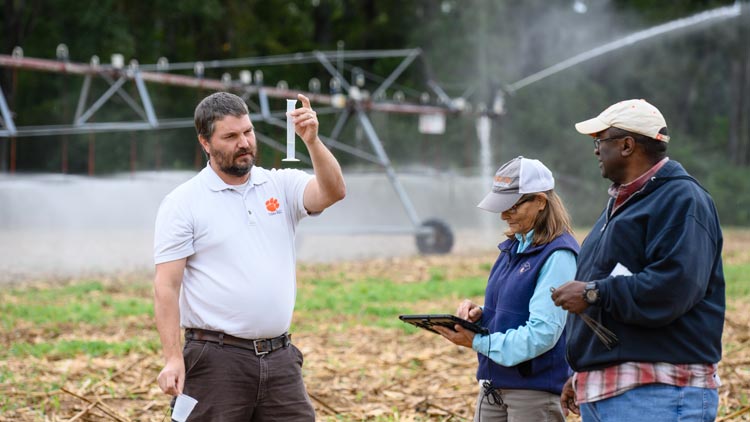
x: 305, y: 120
x: 569, y: 296
x: 568, y: 398
x: 461, y: 336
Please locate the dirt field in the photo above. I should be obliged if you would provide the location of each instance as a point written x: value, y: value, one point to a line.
x: 353, y: 372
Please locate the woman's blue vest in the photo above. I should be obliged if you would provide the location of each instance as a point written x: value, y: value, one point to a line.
x: 506, y: 306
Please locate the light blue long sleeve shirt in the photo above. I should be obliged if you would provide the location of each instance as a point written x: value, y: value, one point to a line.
x: 546, y: 321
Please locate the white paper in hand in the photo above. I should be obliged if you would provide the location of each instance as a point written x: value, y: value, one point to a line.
x: 182, y: 407
x: 620, y: 270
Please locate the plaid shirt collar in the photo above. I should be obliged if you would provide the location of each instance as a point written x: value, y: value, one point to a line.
x: 622, y: 193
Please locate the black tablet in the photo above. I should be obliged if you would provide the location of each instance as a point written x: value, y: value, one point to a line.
x: 444, y: 320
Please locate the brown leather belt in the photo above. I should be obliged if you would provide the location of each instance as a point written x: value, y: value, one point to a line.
x: 261, y: 346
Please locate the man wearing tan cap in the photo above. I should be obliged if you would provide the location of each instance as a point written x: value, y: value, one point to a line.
x: 650, y: 272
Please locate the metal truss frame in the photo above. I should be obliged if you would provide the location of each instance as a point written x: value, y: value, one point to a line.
x: 432, y: 233
x: 350, y: 105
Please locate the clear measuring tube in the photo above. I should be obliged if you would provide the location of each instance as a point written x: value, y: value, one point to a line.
x: 290, y: 104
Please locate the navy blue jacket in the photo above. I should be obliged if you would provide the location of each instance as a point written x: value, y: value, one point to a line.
x: 509, y: 290
x: 671, y: 309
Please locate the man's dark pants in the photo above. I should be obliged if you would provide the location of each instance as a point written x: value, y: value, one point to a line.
x: 234, y: 384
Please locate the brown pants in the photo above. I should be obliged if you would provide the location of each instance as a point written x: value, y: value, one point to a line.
x: 519, y: 406
x: 232, y: 384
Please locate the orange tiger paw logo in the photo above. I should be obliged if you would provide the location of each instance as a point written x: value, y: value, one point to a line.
x: 272, y: 204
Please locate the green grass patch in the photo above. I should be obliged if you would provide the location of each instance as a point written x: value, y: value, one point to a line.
x: 338, y: 302
x: 377, y: 294
x: 738, y: 280
x: 93, y: 348
x: 6, y: 376
x: 85, y: 303
x: 86, y: 307
x: 378, y: 302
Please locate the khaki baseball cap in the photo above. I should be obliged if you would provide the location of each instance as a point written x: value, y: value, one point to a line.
x: 515, y: 178
x: 637, y: 116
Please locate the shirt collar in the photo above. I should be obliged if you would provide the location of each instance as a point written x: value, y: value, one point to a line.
x: 622, y: 193
x: 522, y: 245
x: 214, y: 182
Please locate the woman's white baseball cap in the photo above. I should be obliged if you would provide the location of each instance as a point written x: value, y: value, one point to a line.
x: 515, y: 178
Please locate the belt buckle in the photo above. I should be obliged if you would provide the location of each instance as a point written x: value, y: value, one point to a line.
x: 259, y: 353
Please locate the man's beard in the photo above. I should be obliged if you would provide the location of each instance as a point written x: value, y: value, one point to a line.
x: 237, y: 170
x: 228, y: 165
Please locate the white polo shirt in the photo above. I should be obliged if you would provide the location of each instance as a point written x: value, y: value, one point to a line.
x: 240, y: 274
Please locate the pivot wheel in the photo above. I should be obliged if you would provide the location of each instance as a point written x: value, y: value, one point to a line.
x: 438, y: 241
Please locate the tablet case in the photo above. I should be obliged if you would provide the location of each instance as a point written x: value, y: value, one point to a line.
x: 427, y: 321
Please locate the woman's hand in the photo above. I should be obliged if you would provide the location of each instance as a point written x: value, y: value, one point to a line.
x: 469, y: 311
x: 460, y: 336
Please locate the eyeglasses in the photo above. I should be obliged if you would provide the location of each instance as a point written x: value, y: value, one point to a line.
x: 598, y: 141
x: 514, y: 208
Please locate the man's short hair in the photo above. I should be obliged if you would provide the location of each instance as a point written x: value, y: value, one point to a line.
x: 215, y: 107
x: 653, y: 148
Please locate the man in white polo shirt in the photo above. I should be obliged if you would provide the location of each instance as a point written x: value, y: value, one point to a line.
x: 225, y: 269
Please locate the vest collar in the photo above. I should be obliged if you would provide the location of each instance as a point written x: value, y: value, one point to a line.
x: 512, y: 245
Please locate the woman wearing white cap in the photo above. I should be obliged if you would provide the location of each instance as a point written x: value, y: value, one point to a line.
x: 522, y: 366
